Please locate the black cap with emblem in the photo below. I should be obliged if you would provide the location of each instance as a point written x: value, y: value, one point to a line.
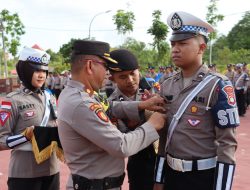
x: 126, y: 60
x: 87, y: 47
x: 185, y: 26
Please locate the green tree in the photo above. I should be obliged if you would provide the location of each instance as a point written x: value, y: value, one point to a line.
x: 144, y: 54
x: 56, y: 62
x: 238, y: 37
x: 213, y: 18
x: 65, y: 50
x: 159, y: 30
x: 13, y: 29
x: 124, y: 21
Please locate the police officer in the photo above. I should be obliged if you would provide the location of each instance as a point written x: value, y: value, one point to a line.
x: 21, y: 110
x: 126, y: 75
x: 199, y: 142
x: 230, y: 73
x: 94, y: 148
x: 240, y: 84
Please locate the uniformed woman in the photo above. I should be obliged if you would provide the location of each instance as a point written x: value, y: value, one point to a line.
x: 23, y: 109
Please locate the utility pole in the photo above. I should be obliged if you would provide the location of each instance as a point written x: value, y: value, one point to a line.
x: 93, y: 20
x: 4, y: 57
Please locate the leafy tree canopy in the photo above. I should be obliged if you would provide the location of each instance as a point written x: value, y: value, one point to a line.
x: 124, y: 21
x: 13, y: 30
x: 238, y: 37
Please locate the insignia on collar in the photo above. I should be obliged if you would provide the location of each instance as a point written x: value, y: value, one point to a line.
x: 4, y: 115
x: 176, y: 22
x: 98, y: 109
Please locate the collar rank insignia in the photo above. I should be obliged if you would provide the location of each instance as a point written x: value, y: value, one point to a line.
x: 98, y: 109
x: 4, y: 115
x: 176, y: 22
x: 194, y: 122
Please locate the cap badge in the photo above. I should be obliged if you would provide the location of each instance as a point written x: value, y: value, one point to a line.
x: 176, y: 22
x: 44, y: 59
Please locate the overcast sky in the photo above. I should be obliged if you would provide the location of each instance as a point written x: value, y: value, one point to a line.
x: 52, y: 23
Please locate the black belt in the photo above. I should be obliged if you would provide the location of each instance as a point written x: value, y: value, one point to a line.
x: 83, y: 183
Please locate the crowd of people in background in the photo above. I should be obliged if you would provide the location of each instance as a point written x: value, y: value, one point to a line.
x: 56, y: 82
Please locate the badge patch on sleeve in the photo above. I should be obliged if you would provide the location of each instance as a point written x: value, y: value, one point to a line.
x: 229, y: 91
x: 4, y: 115
x: 97, y: 108
x: 194, y: 122
x: 6, y: 105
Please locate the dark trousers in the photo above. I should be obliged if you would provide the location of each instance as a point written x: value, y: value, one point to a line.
x: 141, y: 169
x: 240, y: 98
x: 193, y: 180
x: 248, y: 97
x: 57, y: 92
x: 38, y: 183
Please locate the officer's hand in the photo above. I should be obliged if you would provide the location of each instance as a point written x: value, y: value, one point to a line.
x: 157, y: 120
x: 155, y: 103
x: 158, y: 186
x: 28, y: 133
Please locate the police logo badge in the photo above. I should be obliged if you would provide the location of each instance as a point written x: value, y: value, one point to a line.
x: 98, y: 109
x: 229, y: 91
x: 176, y: 22
x: 4, y: 115
x: 44, y: 59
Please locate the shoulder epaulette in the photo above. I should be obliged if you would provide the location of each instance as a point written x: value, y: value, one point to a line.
x: 223, y: 77
x: 13, y: 93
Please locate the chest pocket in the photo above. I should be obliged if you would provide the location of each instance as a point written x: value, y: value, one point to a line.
x: 29, y: 114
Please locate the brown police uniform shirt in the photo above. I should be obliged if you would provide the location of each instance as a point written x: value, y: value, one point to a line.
x: 230, y: 75
x: 27, y: 109
x: 196, y: 135
x: 240, y: 81
x: 94, y: 148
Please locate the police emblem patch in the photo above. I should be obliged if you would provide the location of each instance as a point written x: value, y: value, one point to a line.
x: 194, y: 122
x: 4, y: 115
x: 98, y: 109
x: 229, y: 91
x: 176, y: 22
x: 45, y: 59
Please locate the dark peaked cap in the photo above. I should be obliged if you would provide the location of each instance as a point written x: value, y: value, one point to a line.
x: 126, y: 60
x: 87, y: 47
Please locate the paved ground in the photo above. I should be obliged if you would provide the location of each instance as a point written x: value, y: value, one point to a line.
x: 241, y: 180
